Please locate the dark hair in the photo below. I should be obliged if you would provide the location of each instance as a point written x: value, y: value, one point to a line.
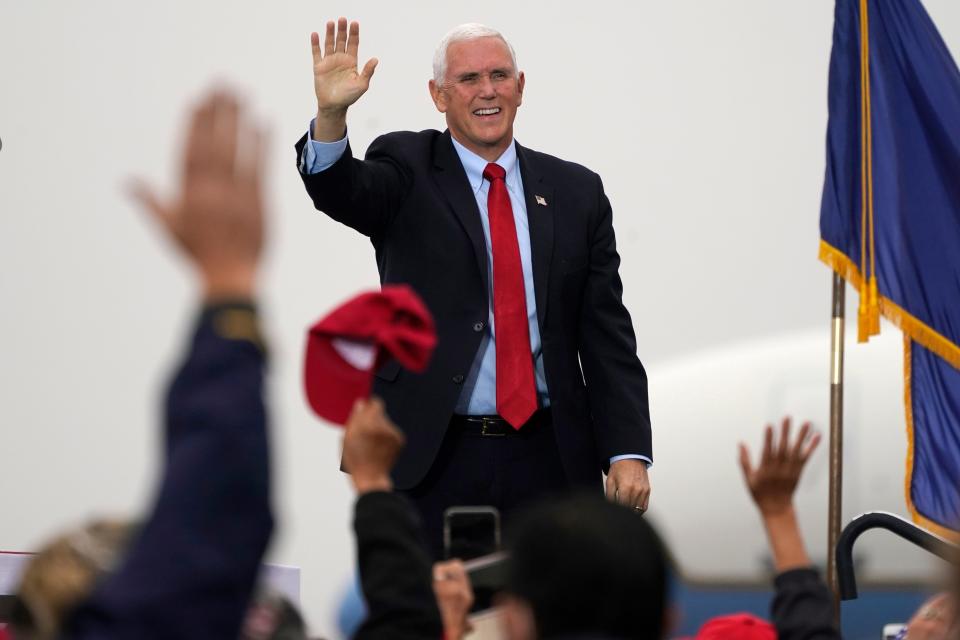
x: 588, y: 566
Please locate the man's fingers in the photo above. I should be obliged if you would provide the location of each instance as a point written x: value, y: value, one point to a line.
x: 341, y: 45
x: 814, y: 441
x: 151, y: 203
x: 456, y: 566
x: 376, y: 414
x: 611, y: 489
x: 784, y: 444
x: 375, y: 406
x: 199, y: 140
x: 329, y: 38
x: 629, y: 495
x: 398, y: 436
x: 439, y: 571
x: 226, y: 121
x: 643, y: 501
x: 449, y: 570
x: 257, y: 157
x: 356, y: 413
x: 353, y: 39
x: 251, y: 157
x: 796, y: 450
x: 811, y: 447
x: 767, y: 453
x: 315, y: 48
x: 364, y: 412
x: 369, y: 68
x: 745, y: 462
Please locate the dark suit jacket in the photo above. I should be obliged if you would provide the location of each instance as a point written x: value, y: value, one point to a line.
x: 191, y: 570
x: 411, y: 197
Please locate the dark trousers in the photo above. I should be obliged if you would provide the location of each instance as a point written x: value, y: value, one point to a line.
x: 504, y: 471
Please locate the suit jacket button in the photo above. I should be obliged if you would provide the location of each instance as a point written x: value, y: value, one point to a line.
x: 478, y: 326
x: 458, y: 379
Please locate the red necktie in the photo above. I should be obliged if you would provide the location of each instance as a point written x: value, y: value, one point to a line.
x: 516, y: 389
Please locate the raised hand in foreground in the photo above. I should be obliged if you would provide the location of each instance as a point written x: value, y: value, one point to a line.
x: 371, y: 445
x: 772, y: 484
x: 217, y: 218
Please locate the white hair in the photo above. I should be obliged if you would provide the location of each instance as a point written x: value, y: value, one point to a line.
x: 463, y: 33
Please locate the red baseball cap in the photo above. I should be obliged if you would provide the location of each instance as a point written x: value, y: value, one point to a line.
x: 737, y: 626
x: 346, y: 347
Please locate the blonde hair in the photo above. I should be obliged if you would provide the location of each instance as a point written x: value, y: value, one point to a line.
x: 64, y: 572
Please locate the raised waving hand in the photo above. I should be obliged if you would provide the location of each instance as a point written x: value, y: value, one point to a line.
x: 336, y: 80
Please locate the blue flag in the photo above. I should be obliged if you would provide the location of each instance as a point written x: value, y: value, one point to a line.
x: 890, y: 220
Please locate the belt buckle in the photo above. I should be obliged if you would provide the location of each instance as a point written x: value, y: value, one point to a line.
x: 487, y: 426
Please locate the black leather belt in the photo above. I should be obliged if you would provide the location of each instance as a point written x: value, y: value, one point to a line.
x: 495, y: 426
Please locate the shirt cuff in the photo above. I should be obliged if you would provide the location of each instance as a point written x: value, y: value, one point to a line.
x: 632, y: 456
x: 319, y: 156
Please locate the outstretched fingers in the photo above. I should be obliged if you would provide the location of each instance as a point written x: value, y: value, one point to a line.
x: 783, y: 448
x: 226, y: 123
x: 766, y: 457
x: 353, y: 39
x: 745, y: 465
x: 803, y: 436
x: 162, y: 213
x: 150, y: 201
x: 251, y: 158
x: 369, y: 68
x: 329, y: 39
x: 341, y: 43
x: 198, y: 150
x: 810, y: 448
x: 315, y: 48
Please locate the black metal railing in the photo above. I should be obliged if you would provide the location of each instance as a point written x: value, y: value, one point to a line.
x: 895, y: 524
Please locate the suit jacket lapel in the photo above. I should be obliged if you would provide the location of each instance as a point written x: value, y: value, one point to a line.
x: 540, y: 218
x: 452, y: 180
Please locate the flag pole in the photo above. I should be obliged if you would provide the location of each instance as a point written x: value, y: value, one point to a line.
x: 836, y: 439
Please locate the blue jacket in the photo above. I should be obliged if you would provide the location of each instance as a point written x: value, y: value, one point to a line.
x: 191, y: 569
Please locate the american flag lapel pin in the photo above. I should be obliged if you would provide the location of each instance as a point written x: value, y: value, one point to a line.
x: 541, y: 201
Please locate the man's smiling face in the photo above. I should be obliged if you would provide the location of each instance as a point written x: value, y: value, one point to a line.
x: 480, y: 95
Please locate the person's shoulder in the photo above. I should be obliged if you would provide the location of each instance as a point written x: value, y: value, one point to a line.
x: 557, y: 168
x: 408, y: 139
x: 407, y: 147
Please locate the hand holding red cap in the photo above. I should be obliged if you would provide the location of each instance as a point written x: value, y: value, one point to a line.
x: 346, y: 347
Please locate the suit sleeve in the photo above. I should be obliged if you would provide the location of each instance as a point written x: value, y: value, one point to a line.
x: 802, y: 608
x: 362, y: 194
x: 190, y: 571
x: 616, y: 380
x: 395, y: 571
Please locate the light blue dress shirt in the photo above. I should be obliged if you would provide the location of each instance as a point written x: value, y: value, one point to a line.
x: 479, y: 395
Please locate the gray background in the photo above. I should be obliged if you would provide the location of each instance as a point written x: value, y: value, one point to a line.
x: 706, y: 120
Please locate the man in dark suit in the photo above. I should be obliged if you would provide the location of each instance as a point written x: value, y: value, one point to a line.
x: 535, y: 386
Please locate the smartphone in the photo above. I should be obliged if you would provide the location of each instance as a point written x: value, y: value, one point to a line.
x: 470, y: 532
